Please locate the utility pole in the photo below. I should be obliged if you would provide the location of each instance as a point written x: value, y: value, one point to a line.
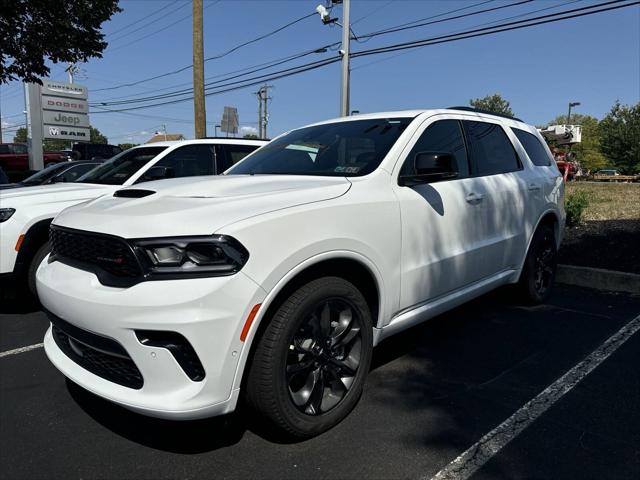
x: 346, y: 41
x: 200, y: 118
x: 263, y: 110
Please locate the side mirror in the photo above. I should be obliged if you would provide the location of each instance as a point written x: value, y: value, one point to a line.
x: 430, y: 167
x: 157, y: 173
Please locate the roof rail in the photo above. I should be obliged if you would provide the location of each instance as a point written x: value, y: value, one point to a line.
x: 479, y: 110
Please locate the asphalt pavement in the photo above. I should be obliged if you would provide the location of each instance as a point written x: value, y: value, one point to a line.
x: 434, y: 391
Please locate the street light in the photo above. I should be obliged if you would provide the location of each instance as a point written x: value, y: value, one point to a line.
x: 571, y: 104
x: 216, y: 127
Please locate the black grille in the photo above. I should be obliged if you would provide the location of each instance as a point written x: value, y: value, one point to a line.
x: 113, y: 255
x: 101, y: 356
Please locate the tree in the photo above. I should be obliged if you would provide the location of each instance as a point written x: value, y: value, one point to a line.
x: 493, y: 103
x: 250, y: 136
x: 588, y: 152
x: 32, y: 32
x: 52, y: 144
x: 127, y: 146
x: 620, y: 137
x: 96, y: 137
x: 21, y: 135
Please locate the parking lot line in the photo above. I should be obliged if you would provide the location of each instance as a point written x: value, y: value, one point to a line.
x: 15, y: 351
x: 466, y: 464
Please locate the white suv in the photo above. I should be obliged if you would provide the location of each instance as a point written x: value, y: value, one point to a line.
x: 25, y: 213
x: 273, y: 282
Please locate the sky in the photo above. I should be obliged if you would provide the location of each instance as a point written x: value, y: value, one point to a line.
x: 594, y: 60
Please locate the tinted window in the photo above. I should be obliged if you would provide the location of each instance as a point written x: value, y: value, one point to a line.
x: 45, y: 174
x: 534, y: 148
x: 339, y: 149
x: 491, y: 149
x: 229, y: 155
x: 444, y: 136
x: 118, y: 170
x: 76, y: 171
x: 189, y: 161
x: 4, y: 149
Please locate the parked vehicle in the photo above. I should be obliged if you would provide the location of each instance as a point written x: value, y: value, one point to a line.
x: 607, y: 172
x: 55, y: 173
x: 275, y: 281
x: 25, y: 213
x: 14, y: 158
x: 94, y: 151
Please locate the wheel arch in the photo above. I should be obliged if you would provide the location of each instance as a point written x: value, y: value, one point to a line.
x: 34, y: 238
x: 549, y: 217
x: 348, y: 265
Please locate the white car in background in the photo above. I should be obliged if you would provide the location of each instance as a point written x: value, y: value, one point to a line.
x: 276, y: 280
x: 25, y: 213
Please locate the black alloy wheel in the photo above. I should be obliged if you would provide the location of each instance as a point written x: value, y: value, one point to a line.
x: 324, y: 356
x: 311, y: 358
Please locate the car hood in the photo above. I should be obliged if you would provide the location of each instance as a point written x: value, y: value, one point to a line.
x: 59, y: 192
x: 197, y: 206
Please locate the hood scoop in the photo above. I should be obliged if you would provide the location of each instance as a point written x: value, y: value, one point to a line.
x: 133, y: 193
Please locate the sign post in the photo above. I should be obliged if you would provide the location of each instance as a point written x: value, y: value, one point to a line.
x: 55, y: 110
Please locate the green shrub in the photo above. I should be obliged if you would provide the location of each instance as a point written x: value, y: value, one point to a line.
x: 574, y: 205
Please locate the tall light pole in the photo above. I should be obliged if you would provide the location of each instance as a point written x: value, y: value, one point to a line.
x: 344, y: 51
x: 571, y: 104
x: 199, y: 115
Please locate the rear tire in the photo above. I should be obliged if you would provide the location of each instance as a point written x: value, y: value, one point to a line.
x: 37, y: 259
x: 539, y: 271
x: 311, y: 361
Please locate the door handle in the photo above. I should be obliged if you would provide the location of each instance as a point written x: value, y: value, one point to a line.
x: 533, y: 187
x: 474, y: 198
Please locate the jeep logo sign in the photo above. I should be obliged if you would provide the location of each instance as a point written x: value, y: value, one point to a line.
x: 50, y: 117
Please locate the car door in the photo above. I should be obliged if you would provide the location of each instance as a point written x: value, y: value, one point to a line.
x: 441, y: 221
x: 498, y: 171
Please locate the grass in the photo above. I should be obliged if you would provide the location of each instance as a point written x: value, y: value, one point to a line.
x: 608, y: 201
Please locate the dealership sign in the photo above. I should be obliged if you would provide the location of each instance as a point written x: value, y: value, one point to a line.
x: 55, y: 110
x: 65, y: 111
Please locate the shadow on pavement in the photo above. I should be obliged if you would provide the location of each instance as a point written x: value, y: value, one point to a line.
x: 14, y: 301
x: 186, y: 437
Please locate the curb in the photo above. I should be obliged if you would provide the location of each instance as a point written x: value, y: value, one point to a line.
x: 598, y: 278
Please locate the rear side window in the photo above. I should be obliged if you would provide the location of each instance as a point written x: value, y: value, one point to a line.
x: 534, y: 148
x: 189, y: 161
x: 491, y: 149
x: 444, y: 136
x: 228, y: 155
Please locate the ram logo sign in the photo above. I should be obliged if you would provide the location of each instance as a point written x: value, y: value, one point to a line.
x: 80, y: 134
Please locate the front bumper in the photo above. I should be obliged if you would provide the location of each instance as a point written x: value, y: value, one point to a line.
x: 208, y: 312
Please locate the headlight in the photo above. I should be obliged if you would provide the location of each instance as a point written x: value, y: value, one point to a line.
x: 5, y: 214
x: 199, y: 256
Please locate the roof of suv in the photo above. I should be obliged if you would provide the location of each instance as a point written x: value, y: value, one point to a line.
x: 233, y: 141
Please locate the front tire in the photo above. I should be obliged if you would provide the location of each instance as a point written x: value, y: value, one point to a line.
x: 539, y: 271
x: 37, y: 259
x: 311, y: 361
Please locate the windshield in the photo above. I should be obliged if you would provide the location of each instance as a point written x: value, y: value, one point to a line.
x: 118, y: 170
x: 46, y: 174
x: 345, y: 149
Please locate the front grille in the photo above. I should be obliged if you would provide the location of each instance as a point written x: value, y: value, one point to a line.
x: 110, y: 254
x: 100, y: 355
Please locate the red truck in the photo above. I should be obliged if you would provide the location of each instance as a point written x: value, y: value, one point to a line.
x: 14, y: 158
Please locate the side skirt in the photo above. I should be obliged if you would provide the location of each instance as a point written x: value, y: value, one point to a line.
x: 424, y: 311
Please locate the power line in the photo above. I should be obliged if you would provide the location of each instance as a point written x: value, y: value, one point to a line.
x: 543, y: 19
x: 147, y: 17
x: 185, y: 91
x: 562, y: 4
x: 233, y: 49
